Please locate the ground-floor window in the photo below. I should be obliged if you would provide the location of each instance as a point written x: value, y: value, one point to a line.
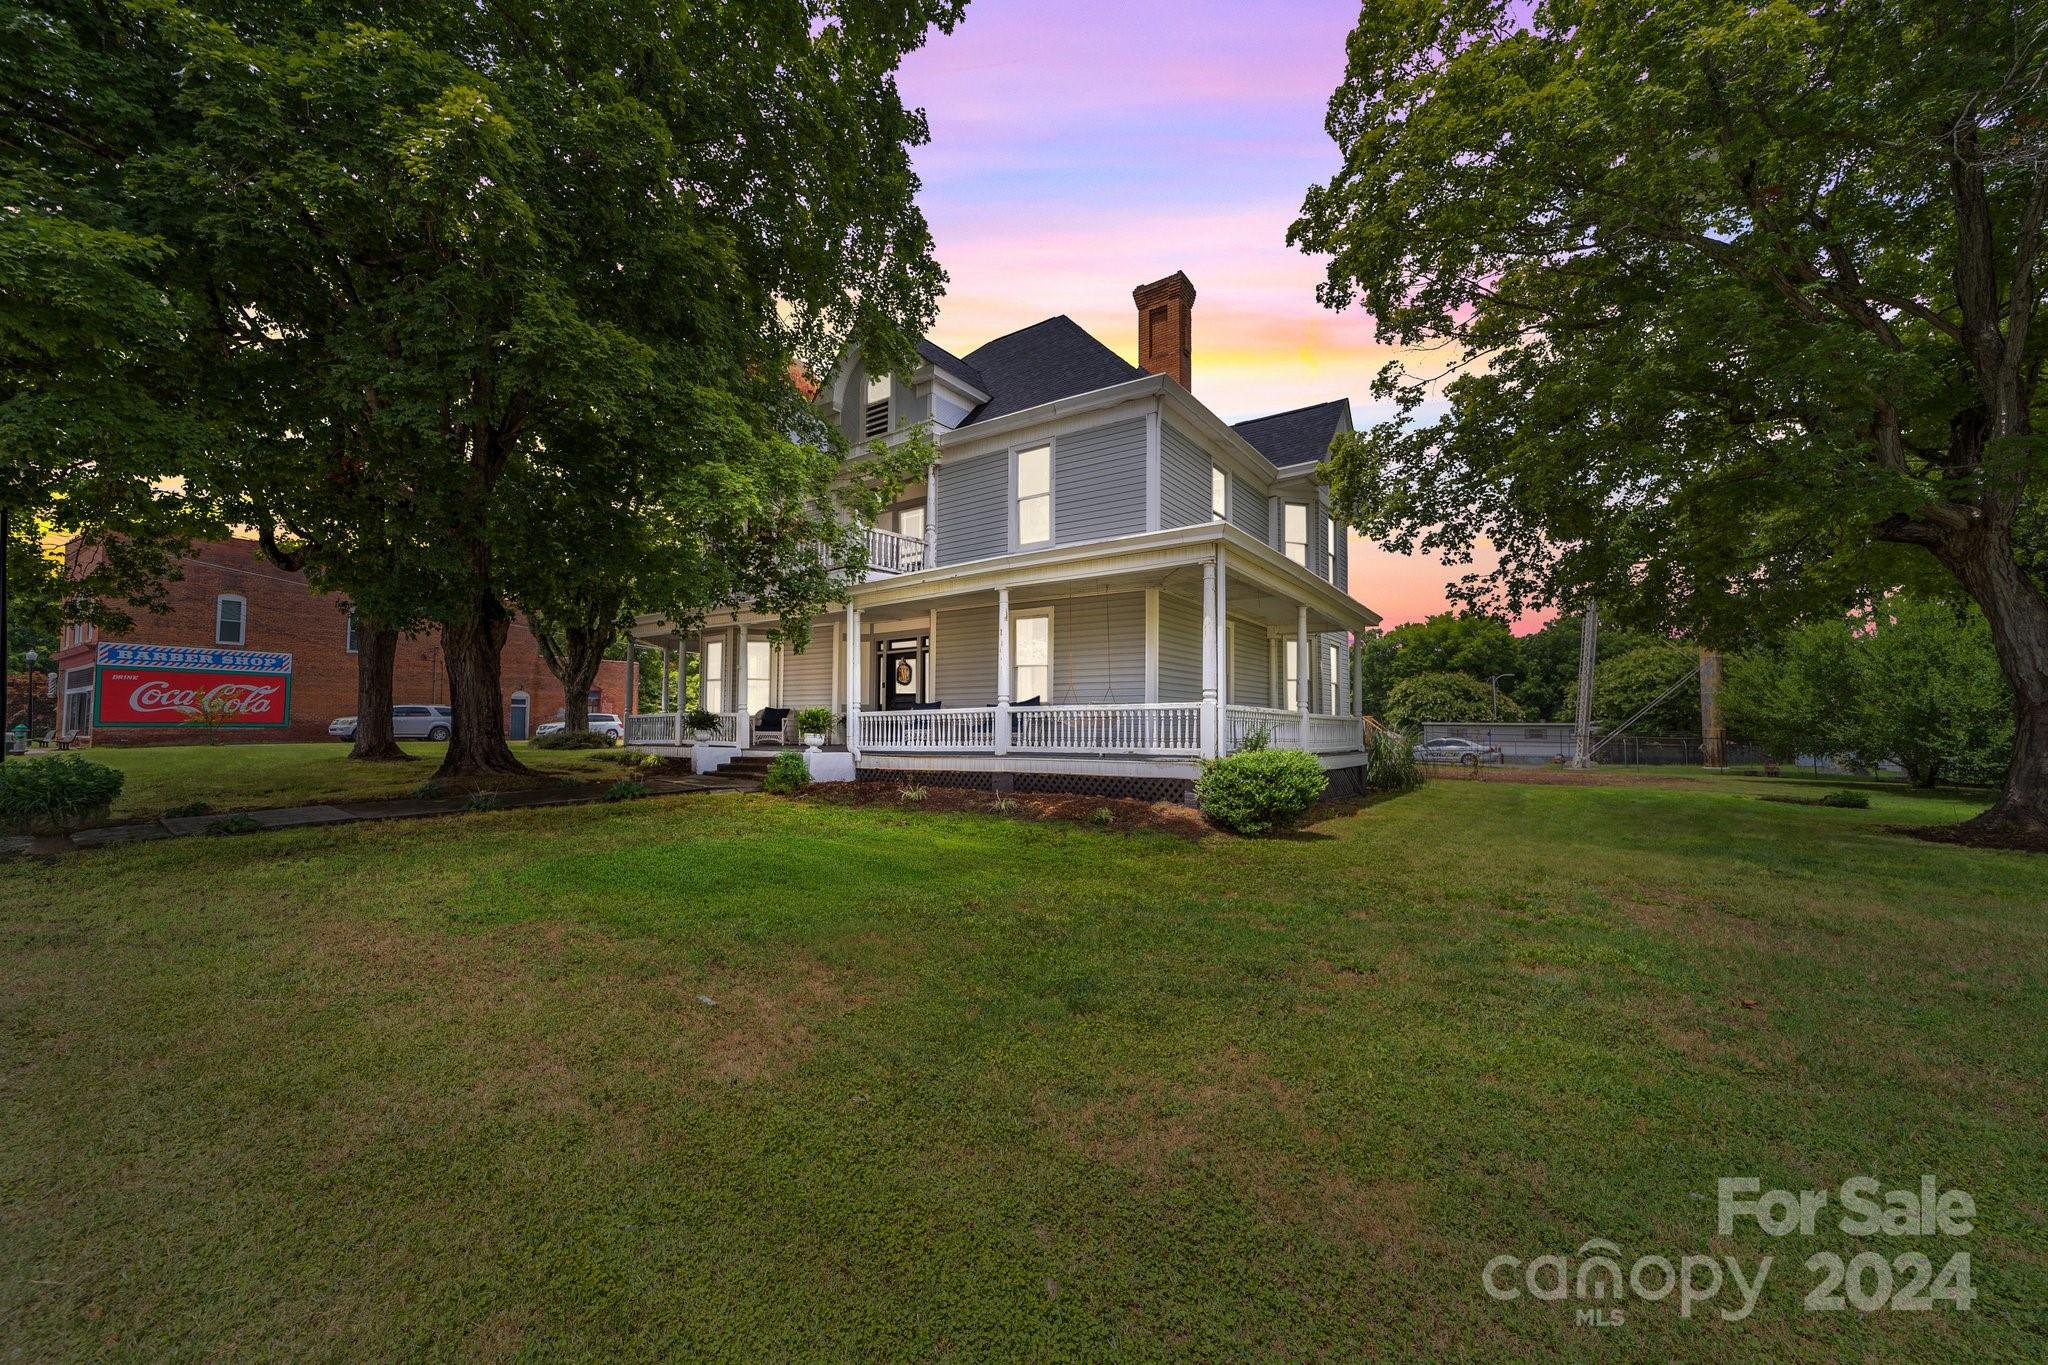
x: 711, y: 667
x: 760, y: 676
x: 1290, y: 663
x: 1330, y: 667
x: 1031, y: 658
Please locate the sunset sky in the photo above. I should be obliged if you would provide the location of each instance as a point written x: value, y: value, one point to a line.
x: 1079, y: 150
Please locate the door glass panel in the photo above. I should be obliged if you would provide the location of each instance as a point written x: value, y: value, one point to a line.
x: 760, y: 675
x: 1033, y: 658
x: 713, y: 682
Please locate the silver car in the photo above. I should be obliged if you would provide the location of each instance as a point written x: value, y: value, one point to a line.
x: 407, y: 722
x: 601, y: 723
x: 1468, y: 752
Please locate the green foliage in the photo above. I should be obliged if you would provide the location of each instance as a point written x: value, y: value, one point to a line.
x: 481, y: 802
x: 1625, y: 683
x: 787, y: 774
x: 189, y: 809
x: 627, y: 789
x: 1102, y: 817
x: 912, y: 795
x: 1846, y: 800
x: 627, y: 758
x: 1002, y: 805
x: 1739, y: 301
x: 1478, y: 645
x: 1257, y: 792
x: 1917, y: 683
x: 1257, y: 738
x: 238, y: 823
x: 700, y: 720
x: 1443, y: 696
x: 1390, y: 764
x: 51, y: 795
x: 815, y: 720
x: 573, y: 739
x: 430, y: 790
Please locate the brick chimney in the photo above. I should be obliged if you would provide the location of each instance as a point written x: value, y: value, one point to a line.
x: 1166, y: 324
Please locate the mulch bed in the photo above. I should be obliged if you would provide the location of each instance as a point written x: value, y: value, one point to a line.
x: 1125, y: 816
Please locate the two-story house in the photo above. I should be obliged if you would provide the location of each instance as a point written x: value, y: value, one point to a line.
x: 1099, y: 584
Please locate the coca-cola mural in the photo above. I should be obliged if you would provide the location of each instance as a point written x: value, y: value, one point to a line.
x: 158, y: 685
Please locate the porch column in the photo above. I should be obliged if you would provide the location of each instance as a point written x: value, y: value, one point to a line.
x: 1002, y: 735
x: 931, y: 525
x: 1222, y: 653
x: 1209, y: 726
x: 743, y: 728
x: 853, y: 680
x: 664, y: 679
x: 1303, y: 669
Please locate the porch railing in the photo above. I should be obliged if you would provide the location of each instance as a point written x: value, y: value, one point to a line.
x: 956, y: 729
x: 651, y: 727
x: 1334, y: 734
x: 1283, y: 728
x: 1152, y: 728
x: 891, y: 553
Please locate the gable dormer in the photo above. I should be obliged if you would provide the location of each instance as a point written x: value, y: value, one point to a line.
x: 942, y: 390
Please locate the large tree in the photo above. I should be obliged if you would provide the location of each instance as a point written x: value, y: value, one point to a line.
x: 482, y: 233
x: 1739, y: 300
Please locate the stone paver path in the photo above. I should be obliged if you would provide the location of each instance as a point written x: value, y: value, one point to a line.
x: 350, y: 812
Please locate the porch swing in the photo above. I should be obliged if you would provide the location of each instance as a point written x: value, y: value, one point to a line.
x: 1109, y: 693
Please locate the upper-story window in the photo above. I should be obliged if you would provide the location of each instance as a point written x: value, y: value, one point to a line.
x: 874, y: 417
x: 230, y: 620
x: 1294, y: 532
x: 1034, y: 495
x: 1330, y: 548
x: 1219, y: 494
x: 351, y: 632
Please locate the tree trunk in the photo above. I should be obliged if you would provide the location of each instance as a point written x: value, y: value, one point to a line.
x: 376, y: 653
x: 1981, y: 558
x: 574, y: 662
x: 472, y: 649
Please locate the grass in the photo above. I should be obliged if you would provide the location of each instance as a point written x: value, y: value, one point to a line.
x: 163, y: 778
x: 969, y: 1086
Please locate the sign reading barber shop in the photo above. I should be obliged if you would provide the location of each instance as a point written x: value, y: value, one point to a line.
x: 158, y: 685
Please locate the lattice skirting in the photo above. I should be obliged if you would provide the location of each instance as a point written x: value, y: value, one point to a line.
x: 1059, y: 784
x: 1346, y: 782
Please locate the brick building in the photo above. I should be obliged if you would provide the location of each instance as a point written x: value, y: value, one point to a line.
x: 253, y: 630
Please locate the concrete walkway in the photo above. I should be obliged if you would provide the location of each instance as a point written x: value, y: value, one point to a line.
x: 351, y: 812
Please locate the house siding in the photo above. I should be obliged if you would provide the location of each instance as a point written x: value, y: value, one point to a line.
x: 964, y: 657
x: 971, y: 515
x: 1180, y: 648
x: 1098, y: 650
x: 1318, y: 538
x: 1183, y: 479
x: 1249, y: 512
x: 1098, y: 483
x: 807, y: 677
x: 1252, y: 653
x: 1343, y: 559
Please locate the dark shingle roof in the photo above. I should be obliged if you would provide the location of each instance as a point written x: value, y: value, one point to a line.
x: 939, y: 358
x: 1295, y: 437
x: 1043, y: 362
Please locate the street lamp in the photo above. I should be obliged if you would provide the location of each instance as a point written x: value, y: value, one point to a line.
x: 28, y: 656
x: 1494, y: 683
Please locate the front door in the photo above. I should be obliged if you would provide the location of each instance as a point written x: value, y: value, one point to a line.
x: 902, y: 679
x: 517, y: 728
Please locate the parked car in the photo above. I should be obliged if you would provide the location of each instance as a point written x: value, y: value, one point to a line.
x: 407, y: 722
x: 601, y: 723
x: 1468, y: 752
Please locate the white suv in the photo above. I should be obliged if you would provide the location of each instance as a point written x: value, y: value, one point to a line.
x: 601, y: 723
x: 407, y: 722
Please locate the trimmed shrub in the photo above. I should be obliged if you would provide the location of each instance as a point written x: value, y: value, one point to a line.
x: 786, y: 775
x: 1846, y: 800
x: 627, y: 790
x: 573, y: 739
x: 54, y: 795
x: 1390, y: 764
x: 1259, y: 791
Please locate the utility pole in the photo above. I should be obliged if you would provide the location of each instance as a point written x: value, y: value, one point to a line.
x: 1589, y: 650
x: 1713, y: 732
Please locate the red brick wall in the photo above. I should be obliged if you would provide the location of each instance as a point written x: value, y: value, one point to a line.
x: 281, y: 613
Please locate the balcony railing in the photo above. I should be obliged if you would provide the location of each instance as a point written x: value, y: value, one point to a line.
x: 890, y: 553
x: 969, y: 729
x: 651, y: 727
x: 1283, y: 728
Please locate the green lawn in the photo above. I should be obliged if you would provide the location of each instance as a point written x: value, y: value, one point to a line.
x: 252, y: 776
x: 974, y: 1087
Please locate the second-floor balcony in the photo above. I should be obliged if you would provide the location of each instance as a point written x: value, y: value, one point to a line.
x: 891, y: 553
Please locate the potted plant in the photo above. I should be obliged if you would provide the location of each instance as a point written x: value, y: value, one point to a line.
x: 814, y: 723
x: 704, y: 724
